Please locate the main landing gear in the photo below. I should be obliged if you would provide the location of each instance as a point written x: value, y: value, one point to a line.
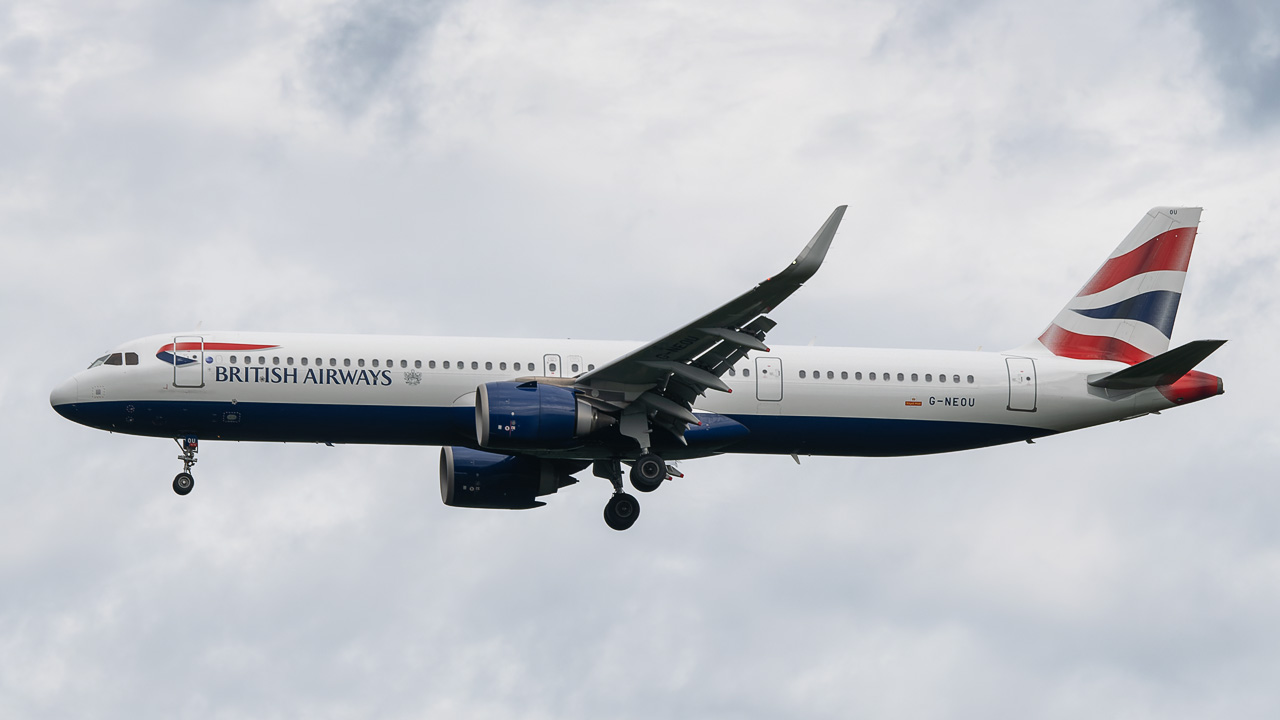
x: 647, y: 474
x: 183, y: 482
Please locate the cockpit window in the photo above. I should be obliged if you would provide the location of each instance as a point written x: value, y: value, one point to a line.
x: 131, y: 358
x: 114, y: 359
x: 99, y: 361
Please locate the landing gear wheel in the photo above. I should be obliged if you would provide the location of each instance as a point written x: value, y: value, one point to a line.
x: 183, y: 482
x: 621, y: 511
x: 648, y: 472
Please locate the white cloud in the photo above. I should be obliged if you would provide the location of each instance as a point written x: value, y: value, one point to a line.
x: 553, y: 169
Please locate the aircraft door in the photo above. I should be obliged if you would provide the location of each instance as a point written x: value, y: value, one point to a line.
x: 768, y: 379
x: 1022, y: 384
x: 188, y: 361
x: 551, y: 366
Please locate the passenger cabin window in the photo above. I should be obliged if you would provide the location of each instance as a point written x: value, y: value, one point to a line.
x: 445, y: 364
x: 304, y: 360
x: 900, y: 377
x: 732, y: 372
x: 360, y: 362
x: 844, y: 375
x: 418, y: 364
x: 475, y: 365
x: 915, y: 377
x: 590, y: 368
x: 942, y: 378
x: 488, y: 365
x: 233, y: 360
x: 928, y: 377
x: 746, y: 372
x: 801, y: 374
x: 551, y: 367
x: 955, y: 378
x: 431, y: 364
x: 375, y: 362
x: 275, y: 360
x: 871, y: 376
x: 262, y: 360
x: 857, y: 375
x: 574, y: 368
x: 970, y: 379
x: 516, y: 366
x: 502, y: 366
x: 346, y: 362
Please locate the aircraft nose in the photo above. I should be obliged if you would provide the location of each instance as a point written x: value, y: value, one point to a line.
x: 64, y: 395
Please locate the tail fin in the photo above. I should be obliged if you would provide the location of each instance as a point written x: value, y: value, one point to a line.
x: 1126, y: 310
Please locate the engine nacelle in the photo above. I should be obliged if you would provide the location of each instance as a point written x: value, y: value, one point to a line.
x: 530, y: 415
x: 478, y: 479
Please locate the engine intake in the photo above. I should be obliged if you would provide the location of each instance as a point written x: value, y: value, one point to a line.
x: 479, y: 479
x: 530, y: 415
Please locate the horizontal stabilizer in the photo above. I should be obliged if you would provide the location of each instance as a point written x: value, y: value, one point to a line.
x: 1163, y: 369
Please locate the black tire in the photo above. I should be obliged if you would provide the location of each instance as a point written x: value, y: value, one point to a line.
x: 183, y: 483
x: 621, y: 511
x: 648, y: 472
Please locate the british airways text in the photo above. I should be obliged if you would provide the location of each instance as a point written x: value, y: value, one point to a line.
x: 313, y: 376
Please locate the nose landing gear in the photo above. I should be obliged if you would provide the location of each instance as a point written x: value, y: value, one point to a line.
x: 183, y: 482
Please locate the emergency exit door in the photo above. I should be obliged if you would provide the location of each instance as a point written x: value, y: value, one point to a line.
x: 768, y: 379
x: 1022, y: 384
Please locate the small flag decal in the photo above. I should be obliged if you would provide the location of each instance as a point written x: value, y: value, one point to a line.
x: 913, y: 403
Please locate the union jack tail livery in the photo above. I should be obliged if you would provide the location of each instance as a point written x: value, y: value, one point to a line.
x: 1126, y: 310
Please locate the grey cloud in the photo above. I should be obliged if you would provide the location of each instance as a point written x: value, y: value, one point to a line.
x: 1241, y: 39
x: 365, y: 54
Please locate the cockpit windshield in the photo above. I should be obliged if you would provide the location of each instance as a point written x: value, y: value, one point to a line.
x: 128, y: 358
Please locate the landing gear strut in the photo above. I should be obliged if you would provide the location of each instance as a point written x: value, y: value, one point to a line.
x: 183, y: 482
x: 622, y: 509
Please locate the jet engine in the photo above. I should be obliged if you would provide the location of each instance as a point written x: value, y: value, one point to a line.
x: 478, y: 479
x: 532, y: 415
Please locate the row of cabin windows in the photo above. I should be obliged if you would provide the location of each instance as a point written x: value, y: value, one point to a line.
x: 888, y: 377
x: 417, y: 364
x: 333, y: 362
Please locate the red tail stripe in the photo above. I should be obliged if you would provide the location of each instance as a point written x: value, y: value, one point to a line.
x: 1169, y: 250
x: 1065, y: 343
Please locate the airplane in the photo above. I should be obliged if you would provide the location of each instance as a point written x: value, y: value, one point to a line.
x: 517, y: 419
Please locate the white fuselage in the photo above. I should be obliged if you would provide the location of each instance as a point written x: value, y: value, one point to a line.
x: 421, y: 390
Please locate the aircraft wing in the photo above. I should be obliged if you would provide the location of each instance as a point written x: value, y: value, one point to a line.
x: 665, y: 376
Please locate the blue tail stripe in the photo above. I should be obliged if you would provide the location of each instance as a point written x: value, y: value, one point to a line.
x: 1157, y: 309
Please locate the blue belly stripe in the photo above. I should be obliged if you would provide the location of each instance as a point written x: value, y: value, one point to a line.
x: 408, y: 425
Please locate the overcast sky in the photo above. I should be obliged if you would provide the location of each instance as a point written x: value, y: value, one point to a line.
x: 612, y: 170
